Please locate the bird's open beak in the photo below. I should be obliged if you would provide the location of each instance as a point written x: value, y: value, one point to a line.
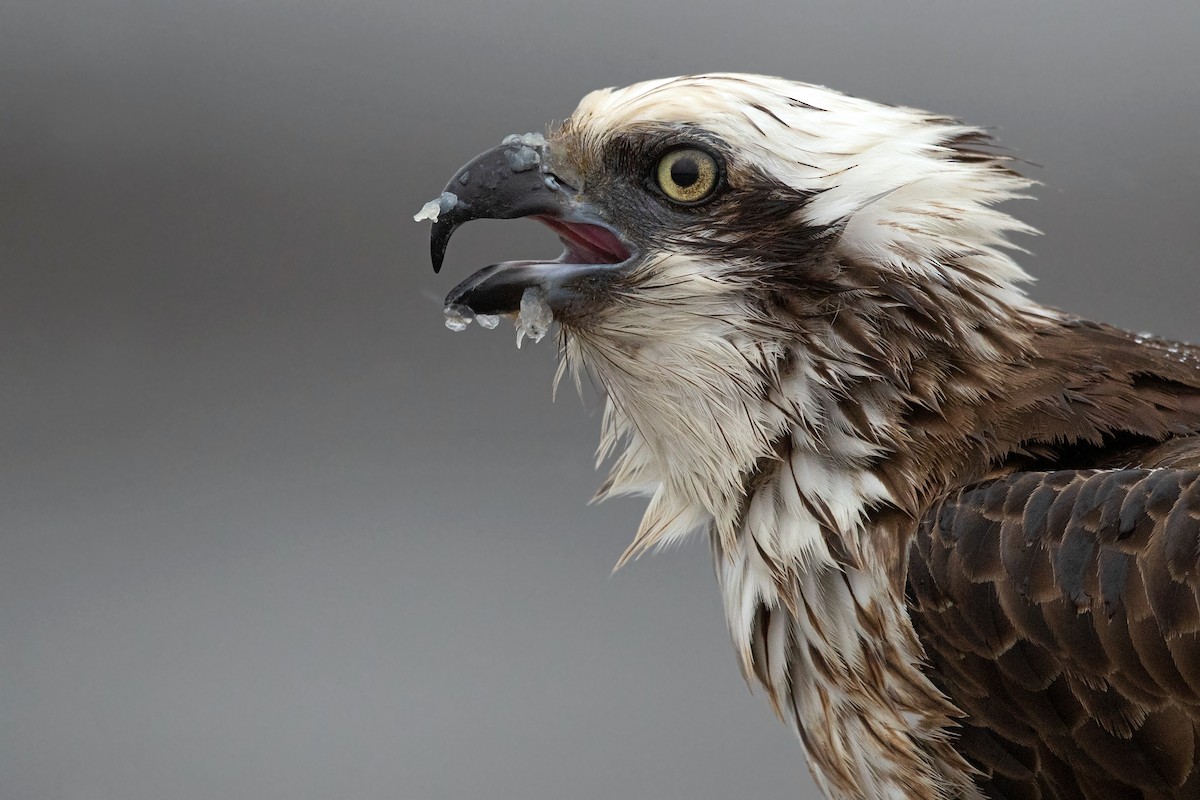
x: 513, y: 180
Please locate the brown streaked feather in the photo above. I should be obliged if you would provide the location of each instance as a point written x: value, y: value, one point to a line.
x: 827, y: 355
x: 1094, y: 585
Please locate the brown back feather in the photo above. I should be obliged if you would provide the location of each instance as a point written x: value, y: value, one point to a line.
x: 1059, y: 601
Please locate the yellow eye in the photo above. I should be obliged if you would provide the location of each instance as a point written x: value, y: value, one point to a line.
x: 687, y: 175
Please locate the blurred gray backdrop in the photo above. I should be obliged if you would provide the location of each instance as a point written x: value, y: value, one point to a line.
x: 268, y: 530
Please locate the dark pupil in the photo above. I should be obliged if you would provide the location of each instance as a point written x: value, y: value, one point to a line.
x: 685, y: 172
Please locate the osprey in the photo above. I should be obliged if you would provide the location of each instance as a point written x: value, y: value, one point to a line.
x: 957, y: 532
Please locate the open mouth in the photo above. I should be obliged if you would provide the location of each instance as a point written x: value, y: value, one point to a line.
x: 515, y: 180
x: 587, y: 243
x: 591, y: 252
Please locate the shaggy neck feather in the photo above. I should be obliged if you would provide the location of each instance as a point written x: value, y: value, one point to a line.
x: 776, y: 438
x: 778, y: 405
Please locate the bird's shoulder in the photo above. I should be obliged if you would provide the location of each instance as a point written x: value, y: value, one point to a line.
x: 1058, y: 599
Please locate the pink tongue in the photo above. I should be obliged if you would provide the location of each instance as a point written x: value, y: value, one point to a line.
x: 599, y: 241
x: 598, y: 238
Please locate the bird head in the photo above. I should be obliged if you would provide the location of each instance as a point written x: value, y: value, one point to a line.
x: 742, y: 186
x: 727, y: 234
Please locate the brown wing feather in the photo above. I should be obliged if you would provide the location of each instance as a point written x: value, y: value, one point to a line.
x: 1061, y: 612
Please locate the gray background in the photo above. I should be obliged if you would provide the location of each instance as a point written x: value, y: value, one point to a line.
x: 268, y: 530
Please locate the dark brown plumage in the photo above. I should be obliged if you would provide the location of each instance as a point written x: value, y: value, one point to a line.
x: 1060, y: 608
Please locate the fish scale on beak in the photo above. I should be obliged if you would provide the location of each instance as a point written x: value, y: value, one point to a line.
x: 514, y: 180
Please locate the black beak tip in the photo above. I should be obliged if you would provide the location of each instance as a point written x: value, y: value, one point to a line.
x: 439, y: 239
x: 437, y: 255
